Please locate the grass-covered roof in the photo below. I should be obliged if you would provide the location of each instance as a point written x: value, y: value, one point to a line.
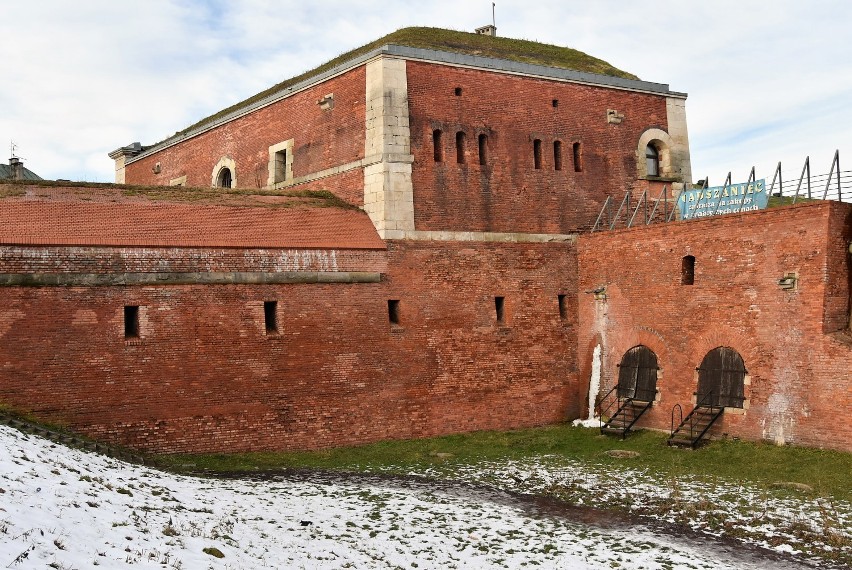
x: 523, y: 51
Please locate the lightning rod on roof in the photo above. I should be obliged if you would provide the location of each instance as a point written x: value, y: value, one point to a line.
x: 493, y: 16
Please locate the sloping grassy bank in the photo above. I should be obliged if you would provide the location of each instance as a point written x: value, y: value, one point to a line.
x: 829, y: 473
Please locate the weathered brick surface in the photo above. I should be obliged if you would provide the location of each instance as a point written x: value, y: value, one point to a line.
x: 323, y: 138
x: 204, y: 375
x: 508, y: 194
x: 37, y: 259
x: 796, y: 345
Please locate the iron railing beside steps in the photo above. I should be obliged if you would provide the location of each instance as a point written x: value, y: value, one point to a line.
x: 628, y: 406
x: 694, y: 427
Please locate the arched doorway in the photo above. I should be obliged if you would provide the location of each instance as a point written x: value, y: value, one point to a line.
x: 721, y: 378
x: 637, y: 374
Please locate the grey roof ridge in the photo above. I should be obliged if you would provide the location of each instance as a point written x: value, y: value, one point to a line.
x: 445, y: 57
x: 6, y: 173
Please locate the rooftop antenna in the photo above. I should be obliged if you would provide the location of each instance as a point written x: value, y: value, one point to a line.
x: 13, y: 147
x: 492, y: 29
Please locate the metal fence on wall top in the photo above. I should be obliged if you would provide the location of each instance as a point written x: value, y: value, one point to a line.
x: 835, y: 185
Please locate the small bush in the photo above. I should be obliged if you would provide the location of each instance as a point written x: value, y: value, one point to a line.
x: 213, y: 551
x: 169, y: 530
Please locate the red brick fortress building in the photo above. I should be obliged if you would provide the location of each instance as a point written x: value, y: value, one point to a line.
x: 392, y: 246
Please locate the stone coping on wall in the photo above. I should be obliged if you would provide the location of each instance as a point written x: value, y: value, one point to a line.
x: 502, y: 237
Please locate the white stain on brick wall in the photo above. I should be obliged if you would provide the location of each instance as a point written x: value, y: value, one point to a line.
x: 779, y: 420
x: 298, y: 260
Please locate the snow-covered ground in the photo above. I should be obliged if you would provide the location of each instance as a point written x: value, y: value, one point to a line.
x: 63, y: 508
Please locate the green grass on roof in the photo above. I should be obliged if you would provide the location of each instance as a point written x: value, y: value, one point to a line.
x: 203, y: 195
x: 524, y: 51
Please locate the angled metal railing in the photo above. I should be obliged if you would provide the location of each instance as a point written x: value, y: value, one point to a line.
x: 836, y: 185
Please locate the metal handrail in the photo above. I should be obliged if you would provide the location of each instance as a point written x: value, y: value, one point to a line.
x: 642, y: 199
x: 665, y: 197
x: 625, y: 201
x: 700, y: 404
x: 777, y: 176
x: 601, y: 410
x: 806, y: 167
x: 603, y: 209
x: 680, y: 421
x: 842, y: 180
x: 835, y: 162
x: 751, y: 180
x: 725, y: 185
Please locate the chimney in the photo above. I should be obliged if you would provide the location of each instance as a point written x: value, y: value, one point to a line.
x: 17, y: 168
x: 488, y: 30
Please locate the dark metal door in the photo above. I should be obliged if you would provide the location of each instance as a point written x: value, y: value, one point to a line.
x: 721, y: 378
x: 637, y: 374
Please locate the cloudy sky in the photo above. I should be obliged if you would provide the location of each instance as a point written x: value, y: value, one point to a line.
x: 768, y: 80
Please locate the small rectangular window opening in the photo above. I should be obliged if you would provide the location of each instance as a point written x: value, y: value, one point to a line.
x: 458, y: 91
x: 555, y: 102
x: 687, y: 270
x: 563, y: 308
x: 437, y: 145
x: 483, y: 149
x: 499, y: 306
x: 131, y: 321
x: 280, y: 166
x: 270, y: 316
x: 557, y: 155
x: 537, y: 153
x: 393, y: 311
x: 578, y: 158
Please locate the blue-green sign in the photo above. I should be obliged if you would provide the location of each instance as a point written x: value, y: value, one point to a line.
x: 703, y: 202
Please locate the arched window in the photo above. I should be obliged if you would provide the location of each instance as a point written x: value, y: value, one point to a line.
x: 483, y: 149
x: 223, y: 180
x: 537, y: 153
x: 437, y: 145
x: 578, y: 158
x: 557, y: 155
x: 652, y: 160
x: 460, y: 142
x: 721, y: 379
x: 637, y: 374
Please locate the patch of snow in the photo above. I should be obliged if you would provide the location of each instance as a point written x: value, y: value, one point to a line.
x: 71, y: 509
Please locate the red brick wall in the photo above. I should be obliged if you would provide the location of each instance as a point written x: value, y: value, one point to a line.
x: 509, y: 194
x: 205, y: 376
x: 798, y: 358
x: 506, y: 195
x: 322, y: 138
x: 39, y: 259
